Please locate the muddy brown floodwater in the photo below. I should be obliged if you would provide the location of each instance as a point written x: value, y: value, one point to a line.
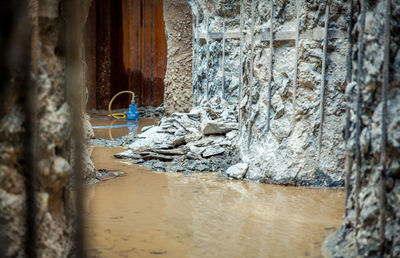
x: 147, y: 214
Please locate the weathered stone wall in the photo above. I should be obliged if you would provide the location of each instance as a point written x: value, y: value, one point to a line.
x: 178, y: 28
x: 360, y: 233
x: 53, y: 127
x: 287, y: 151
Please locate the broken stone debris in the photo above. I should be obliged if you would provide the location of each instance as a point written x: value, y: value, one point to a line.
x: 237, y: 171
x: 104, y: 174
x: 199, y: 141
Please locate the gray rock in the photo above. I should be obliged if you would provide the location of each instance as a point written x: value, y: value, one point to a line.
x: 175, y: 167
x: 127, y: 155
x: 212, y: 151
x: 169, y: 151
x: 237, y: 171
x: 218, y: 127
x: 232, y: 134
x: 193, y: 137
x: 155, y: 156
x: 159, y: 166
x: 139, y: 161
x: 145, y: 128
x: 193, y: 155
x: 178, y: 141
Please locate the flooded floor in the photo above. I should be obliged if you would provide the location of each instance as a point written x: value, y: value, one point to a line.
x: 147, y: 214
x: 105, y: 127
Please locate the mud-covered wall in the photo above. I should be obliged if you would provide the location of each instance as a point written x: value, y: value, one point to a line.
x: 371, y: 226
x: 286, y: 151
x: 50, y: 124
x: 178, y: 28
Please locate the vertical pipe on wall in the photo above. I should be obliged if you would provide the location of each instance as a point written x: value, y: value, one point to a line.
x: 241, y: 68
x: 223, y: 57
x: 271, y: 56
x: 323, y: 80
x: 360, y: 77
x: 296, y: 61
x: 383, y: 157
x: 349, y: 75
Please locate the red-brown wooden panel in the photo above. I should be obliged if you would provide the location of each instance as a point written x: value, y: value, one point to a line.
x: 148, y: 48
x: 131, y: 52
x: 160, y: 53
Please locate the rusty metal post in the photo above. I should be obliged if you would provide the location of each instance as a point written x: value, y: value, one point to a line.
x: 207, y: 55
x: 198, y: 58
x: 74, y: 93
x: 322, y: 94
x: 349, y: 79
x: 251, y: 74
x: 241, y: 68
x: 193, y: 58
x: 30, y: 141
x: 223, y: 57
x: 296, y: 62
x: 270, y: 75
x: 383, y: 157
x: 360, y: 77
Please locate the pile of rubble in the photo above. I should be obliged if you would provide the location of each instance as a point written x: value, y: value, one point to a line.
x: 151, y: 111
x: 200, y: 141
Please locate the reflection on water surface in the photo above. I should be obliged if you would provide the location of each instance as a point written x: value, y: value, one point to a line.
x: 148, y: 214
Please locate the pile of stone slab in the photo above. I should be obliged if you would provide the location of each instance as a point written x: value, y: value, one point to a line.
x: 151, y: 111
x: 200, y: 141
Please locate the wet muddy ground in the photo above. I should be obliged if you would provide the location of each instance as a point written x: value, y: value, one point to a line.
x: 148, y: 214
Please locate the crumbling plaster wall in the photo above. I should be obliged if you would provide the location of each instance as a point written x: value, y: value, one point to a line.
x: 178, y: 28
x: 288, y: 151
x: 360, y: 232
x: 54, y: 216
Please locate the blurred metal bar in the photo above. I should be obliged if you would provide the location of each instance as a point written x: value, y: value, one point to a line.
x: 207, y: 55
x: 360, y: 77
x: 251, y: 74
x: 30, y: 140
x: 74, y: 94
x: 323, y: 82
x: 296, y: 65
x: 349, y: 79
x: 223, y: 58
x: 383, y: 157
x: 271, y: 57
x: 198, y: 56
x: 241, y: 68
x: 194, y: 47
x: 314, y: 34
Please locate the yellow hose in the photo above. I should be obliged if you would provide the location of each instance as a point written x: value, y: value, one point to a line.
x: 118, y: 115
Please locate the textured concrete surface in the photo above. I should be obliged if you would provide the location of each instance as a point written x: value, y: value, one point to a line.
x: 287, y: 152
x: 54, y: 216
x: 360, y: 233
x: 178, y: 85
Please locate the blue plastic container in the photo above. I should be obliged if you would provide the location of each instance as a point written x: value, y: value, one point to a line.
x: 132, y: 114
